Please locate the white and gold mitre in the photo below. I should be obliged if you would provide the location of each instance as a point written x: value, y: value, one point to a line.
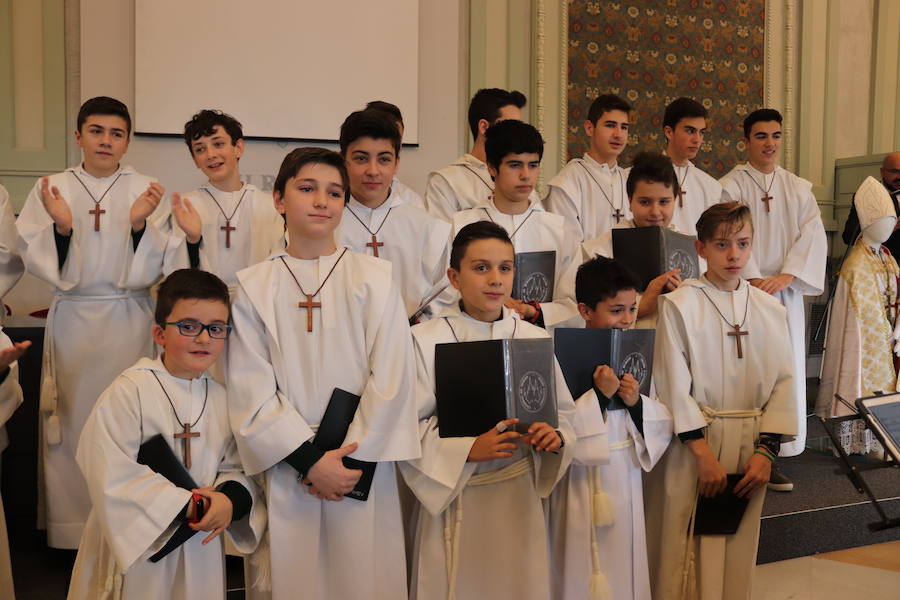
x: 873, y: 202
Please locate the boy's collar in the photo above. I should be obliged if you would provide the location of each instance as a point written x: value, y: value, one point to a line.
x: 393, y: 199
x: 703, y: 282
x: 244, y: 187
x: 599, y: 165
x: 156, y: 364
x: 122, y: 170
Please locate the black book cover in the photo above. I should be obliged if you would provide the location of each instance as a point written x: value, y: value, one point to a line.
x: 722, y: 514
x: 581, y: 351
x: 651, y: 251
x: 156, y: 454
x: 478, y: 384
x: 331, y: 433
x: 535, y: 276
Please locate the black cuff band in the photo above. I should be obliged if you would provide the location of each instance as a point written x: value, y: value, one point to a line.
x: 241, y: 500
x: 687, y: 436
x: 304, y: 457
x: 193, y: 251
x: 136, y: 237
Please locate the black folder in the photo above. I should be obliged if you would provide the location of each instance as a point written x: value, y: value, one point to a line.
x: 651, y: 251
x: 331, y: 433
x: 478, y: 384
x: 156, y: 454
x: 580, y: 351
x: 722, y: 514
x: 535, y: 276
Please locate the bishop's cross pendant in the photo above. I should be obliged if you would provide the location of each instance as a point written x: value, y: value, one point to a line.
x: 374, y: 245
x: 185, y: 437
x: 736, y: 334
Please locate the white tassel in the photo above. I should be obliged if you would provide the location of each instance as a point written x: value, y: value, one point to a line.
x: 599, y: 587
x: 261, y: 565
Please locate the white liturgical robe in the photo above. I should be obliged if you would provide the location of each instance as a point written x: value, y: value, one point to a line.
x: 416, y: 244
x: 789, y: 238
x: 407, y: 193
x: 536, y: 230
x: 102, y: 293
x: 134, y: 507
x: 702, y: 382
x: 620, y: 542
x: 281, y: 377
x: 588, y: 194
x: 700, y: 191
x: 494, y: 530
x: 258, y: 231
x: 10, y: 400
x: 11, y: 266
x: 463, y: 184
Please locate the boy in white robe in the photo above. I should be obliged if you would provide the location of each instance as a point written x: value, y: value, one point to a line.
x: 514, y: 150
x: 597, y: 511
x: 10, y: 399
x: 312, y: 319
x: 403, y: 190
x: 652, y: 188
x: 481, y: 531
x: 89, y: 233
x: 136, y: 510
x: 379, y: 222
x: 225, y: 225
x: 590, y: 191
x: 722, y: 366
x: 466, y: 181
x: 790, y: 247
x: 11, y: 265
x: 684, y: 125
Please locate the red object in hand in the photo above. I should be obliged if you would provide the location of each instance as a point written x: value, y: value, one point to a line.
x: 199, y: 508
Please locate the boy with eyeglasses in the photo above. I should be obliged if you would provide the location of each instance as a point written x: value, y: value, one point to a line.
x: 136, y: 510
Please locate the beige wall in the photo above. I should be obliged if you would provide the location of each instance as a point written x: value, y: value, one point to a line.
x: 107, y: 68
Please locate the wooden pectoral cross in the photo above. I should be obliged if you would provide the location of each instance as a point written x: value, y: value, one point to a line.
x: 96, y: 212
x: 185, y: 437
x: 681, y: 193
x: 309, y: 305
x: 228, y: 229
x: 737, y: 333
x: 618, y: 215
x: 374, y: 245
x: 766, y: 199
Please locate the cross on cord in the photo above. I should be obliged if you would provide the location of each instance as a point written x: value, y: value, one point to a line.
x: 737, y: 333
x: 96, y: 212
x: 766, y: 199
x: 185, y: 437
x: 681, y: 193
x: 228, y: 229
x: 374, y: 245
x: 618, y: 215
x: 309, y: 305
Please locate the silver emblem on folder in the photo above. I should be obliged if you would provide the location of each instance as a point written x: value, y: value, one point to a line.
x: 536, y: 288
x: 636, y: 364
x: 679, y: 259
x: 532, y: 391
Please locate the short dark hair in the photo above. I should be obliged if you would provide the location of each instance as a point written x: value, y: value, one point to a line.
x: 486, y: 104
x: 300, y: 157
x: 763, y: 115
x: 203, y: 123
x: 188, y: 284
x: 601, y: 278
x: 511, y: 137
x: 391, y: 109
x: 103, y: 105
x: 651, y: 167
x: 479, y: 230
x: 375, y: 124
x: 605, y: 103
x: 733, y: 215
x: 683, y: 108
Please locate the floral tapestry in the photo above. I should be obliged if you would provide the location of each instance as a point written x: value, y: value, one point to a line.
x: 650, y: 52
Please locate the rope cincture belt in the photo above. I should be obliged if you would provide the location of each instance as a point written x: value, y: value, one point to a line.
x: 453, y: 525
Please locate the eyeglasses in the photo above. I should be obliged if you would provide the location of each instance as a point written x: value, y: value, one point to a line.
x: 192, y: 328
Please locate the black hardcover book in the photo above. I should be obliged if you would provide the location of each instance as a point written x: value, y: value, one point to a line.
x: 651, y: 251
x: 158, y: 455
x: 722, y: 514
x: 331, y: 433
x: 478, y: 384
x: 581, y: 351
x: 535, y: 276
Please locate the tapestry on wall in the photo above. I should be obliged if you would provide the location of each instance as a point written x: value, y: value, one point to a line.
x: 653, y: 51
